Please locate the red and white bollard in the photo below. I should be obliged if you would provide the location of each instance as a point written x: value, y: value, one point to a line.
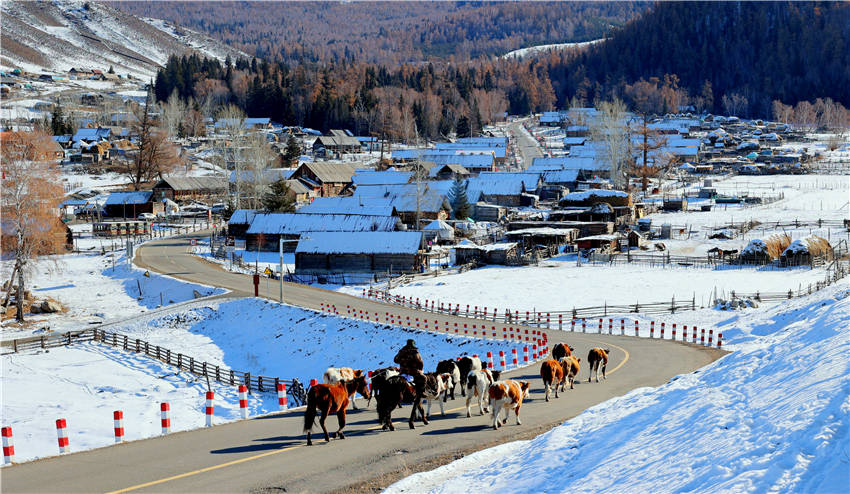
x: 600, y: 325
x: 525, y: 355
x: 8, y: 446
x: 652, y: 329
x: 637, y: 328
x: 684, y: 332
x: 490, y: 360
x: 610, y: 326
x: 560, y: 322
x: 62, y: 434
x: 165, y: 417
x: 243, y: 401
x: 674, y: 331
x: 710, y: 336
x: 118, y: 418
x: 719, y: 340
x: 695, y: 334
x: 534, y: 355
x: 702, y: 337
x: 502, y: 360
x: 210, y: 408
x: 583, y: 325
x: 281, y: 396
x: 515, y: 359
x: 622, y: 327
x: 573, y: 325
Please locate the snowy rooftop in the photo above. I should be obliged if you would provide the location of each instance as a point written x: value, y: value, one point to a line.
x: 360, y: 243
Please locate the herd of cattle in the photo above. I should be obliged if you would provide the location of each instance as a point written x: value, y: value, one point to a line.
x: 476, y: 381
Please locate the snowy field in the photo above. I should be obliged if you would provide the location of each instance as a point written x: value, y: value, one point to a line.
x: 94, y: 291
x: 770, y: 417
x: 247, y: 334
x: 562, y: 285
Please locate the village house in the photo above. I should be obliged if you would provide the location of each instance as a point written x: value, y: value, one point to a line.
x: 432, y: 204
x: 473, y: 163
x: 337, y: 143
x: 185, y: 189
x: 504, y: 189
x: 448, y: 172
x: 350, y: 205
x: 351, y: 252
x: 267, y: 229
x: 327, y: 179
x: 239, y: 222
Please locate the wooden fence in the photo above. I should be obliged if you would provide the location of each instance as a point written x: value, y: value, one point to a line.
x: 295, y: 390
x: 550, y: 319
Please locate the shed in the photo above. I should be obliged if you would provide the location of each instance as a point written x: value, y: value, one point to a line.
x: 593, y: 196
x: 239, y: 222
x: 130, y: 204
x: 605, y: 243
x: 551, y: 238
x: 439, y: 230
x: 347, y: 252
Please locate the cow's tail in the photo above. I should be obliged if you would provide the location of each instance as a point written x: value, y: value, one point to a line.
x: 310, y: 412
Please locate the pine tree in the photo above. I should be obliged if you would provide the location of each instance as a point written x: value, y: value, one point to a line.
x: 460, y: 202
x: 293, y: 151
x: 111, y: 70
x: 278, y: 199
x: 463, y: 129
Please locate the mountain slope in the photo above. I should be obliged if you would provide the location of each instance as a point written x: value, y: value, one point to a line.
x: 759, y: 50
x: 66, y: 33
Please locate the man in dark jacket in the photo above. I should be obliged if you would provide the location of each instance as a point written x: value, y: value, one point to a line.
x: 409, y: 360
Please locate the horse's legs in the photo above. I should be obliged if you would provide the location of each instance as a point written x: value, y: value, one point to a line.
x: 428, y: 412
x: 546, y: 387
x: 353, y: 400
x: 325, y: 412
x: 341, y: 419
x: 603, y: 370
x: 442, y: 406
x: 422, y: 412
x: 413, y: 413
x: 517, y: 414
x: 468, y: 399
x: 495, y: 417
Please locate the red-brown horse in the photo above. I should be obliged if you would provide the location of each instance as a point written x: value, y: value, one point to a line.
x: 331, y: 398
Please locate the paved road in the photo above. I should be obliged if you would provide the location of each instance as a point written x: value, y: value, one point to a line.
x: 527, y: 148
x: 268, y: 454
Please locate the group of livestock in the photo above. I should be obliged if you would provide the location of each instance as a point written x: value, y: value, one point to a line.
x: 390, y: 389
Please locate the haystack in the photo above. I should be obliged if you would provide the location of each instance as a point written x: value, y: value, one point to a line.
x: 766, y: 250
x: 805, y: 250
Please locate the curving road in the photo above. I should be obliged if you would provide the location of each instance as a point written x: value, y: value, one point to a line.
x: 268, y: 454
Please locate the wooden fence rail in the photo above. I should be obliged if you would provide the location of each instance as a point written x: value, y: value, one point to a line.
x: 295, y: 390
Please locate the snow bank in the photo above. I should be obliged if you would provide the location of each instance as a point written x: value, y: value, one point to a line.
x: 772, y: 416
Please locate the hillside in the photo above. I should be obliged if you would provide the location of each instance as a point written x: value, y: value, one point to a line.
x: 59, y: 35
x: 390, y: 32
x: 761, y: 51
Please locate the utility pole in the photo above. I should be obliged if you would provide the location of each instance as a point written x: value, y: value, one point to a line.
x: 280, y: 242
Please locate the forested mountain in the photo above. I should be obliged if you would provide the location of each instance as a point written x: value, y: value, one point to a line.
x: 756, y: 52
x: 721, y: 57
x: 390, y: 33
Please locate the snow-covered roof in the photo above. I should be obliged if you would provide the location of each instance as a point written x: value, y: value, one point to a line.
x: 468, y: 161
x: 498, y: 151
x: 403, y: 196
x: 269, y: 174
x: 439, y: 225
x: 407, y: 154
x: 139, y: 197
x: 567, y: 163
x: 242, y: 217
x: 587, y: 194
x: 560, y: 176
x: 92, y: 134
x: 294, y: 223
x: 360, y: 243
x: 541, y: 231
x: 381, y: 178
x: 348, y: 205
x: 500, y: 183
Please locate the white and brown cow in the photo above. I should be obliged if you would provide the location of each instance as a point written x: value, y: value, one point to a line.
x: 597, y: 357
x: 436, y: 387
x: 506, y: 395
x: 477, y: 384
x: 571, y: 366
x: 337, y: 374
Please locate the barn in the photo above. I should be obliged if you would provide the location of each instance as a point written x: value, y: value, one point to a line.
x: 239, y: 222
x: 352, y: 252
x: 185, y: 189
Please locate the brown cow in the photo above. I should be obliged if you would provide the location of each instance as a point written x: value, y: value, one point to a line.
x: 561, y: 350
x: 595, y: 357
x: 571, y: 367
x: 505, y: 395
x: 553, y: 375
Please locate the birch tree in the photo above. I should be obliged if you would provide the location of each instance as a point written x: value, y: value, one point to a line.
x: 609, y: 129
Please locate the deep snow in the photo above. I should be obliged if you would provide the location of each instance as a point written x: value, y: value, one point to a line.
x: 770, y: 417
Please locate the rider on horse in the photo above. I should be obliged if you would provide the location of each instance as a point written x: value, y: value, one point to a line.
x: 410, y: 362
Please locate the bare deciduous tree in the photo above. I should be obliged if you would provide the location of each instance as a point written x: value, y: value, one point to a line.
x: 172, y: 112
x: 31, y: 196
x: 609, y: 129
x: 155, y: 156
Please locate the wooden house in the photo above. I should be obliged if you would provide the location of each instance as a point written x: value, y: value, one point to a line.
x: 184, y: 189
x: 603, y: 243
x: 350, y: 252
x: 504, y: 189
x: 337, y: 143
x: 327, y: 179
x: 449, y: 171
